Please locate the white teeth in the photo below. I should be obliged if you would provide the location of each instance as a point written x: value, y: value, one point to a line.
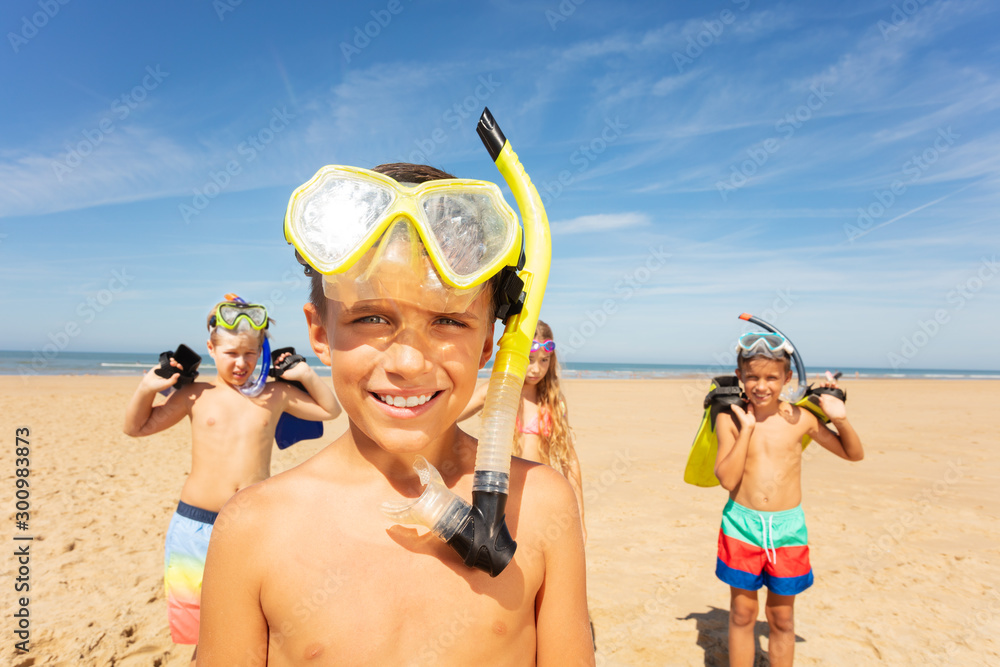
x: 405, y: 402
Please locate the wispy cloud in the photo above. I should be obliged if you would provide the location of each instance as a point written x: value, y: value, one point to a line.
x: 603, y: 222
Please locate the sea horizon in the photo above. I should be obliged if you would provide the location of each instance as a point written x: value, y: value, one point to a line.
x: 33, y: 363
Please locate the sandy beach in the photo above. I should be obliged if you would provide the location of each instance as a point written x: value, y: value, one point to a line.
x: 905, y: 545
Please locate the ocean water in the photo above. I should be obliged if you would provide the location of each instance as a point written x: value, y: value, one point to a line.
x: 134, y: 364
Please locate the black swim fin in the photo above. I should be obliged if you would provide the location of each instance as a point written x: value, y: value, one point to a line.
x: 187, y: 358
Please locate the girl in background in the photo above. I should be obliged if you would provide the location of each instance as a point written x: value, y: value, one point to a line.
x: 543, y: 433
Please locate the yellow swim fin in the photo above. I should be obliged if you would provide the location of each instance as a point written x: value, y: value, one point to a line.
x: 723, y: 393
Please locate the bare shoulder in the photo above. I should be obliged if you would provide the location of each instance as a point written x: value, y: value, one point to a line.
x: 543, y: 490
x: 269, y: 501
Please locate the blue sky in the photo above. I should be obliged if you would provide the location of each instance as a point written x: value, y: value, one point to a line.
x: 833, y: 167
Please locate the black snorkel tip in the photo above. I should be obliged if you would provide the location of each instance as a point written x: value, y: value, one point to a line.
x: 490, y: 133
x: 483, y: 541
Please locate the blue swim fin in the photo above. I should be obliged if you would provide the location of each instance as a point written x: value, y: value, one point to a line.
x: 292, y: 429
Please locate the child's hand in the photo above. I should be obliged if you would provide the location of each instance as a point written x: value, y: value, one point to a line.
x: 297, y: 373
x: 746, y: 418
x: 154, y: 382
x: 833, y: 407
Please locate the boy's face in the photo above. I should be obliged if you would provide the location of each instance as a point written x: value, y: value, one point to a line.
x: 235, y: 356
x: 402, y: 372
x: 763, y: 379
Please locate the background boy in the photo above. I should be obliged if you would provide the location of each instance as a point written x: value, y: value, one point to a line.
x: 232, y: 436
x: 763, y: 539
x: 353, y: 586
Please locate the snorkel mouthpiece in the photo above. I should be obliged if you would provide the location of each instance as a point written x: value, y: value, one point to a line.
x: 478, y: 532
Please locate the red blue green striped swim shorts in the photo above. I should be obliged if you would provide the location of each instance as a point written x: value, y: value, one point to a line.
x: 764, y: 549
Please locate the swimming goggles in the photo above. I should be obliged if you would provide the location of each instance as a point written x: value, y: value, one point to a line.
x: 548, y: 345
x: 764, y: 343
x: 228, y: 314
x: 468, y: 230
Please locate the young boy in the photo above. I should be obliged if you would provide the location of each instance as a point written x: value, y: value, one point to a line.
x: 231, y: 441
x: 332, y: 579
x: 763, y: 537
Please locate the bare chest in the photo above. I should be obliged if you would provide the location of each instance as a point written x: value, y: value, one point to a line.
x: 392, y: 596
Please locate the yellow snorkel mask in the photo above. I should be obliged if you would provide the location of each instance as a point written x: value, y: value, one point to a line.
x: 355, y: 226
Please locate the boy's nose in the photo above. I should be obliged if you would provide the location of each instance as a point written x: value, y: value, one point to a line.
x: 405, y: 356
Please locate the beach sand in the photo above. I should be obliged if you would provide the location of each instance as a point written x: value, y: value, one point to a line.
x: 904, y: 545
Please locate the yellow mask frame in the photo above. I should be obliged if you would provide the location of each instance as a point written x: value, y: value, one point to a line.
x: 364, y: 203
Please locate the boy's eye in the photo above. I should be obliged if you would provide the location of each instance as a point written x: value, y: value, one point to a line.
x: 371, y: 319
x: 449, y: 321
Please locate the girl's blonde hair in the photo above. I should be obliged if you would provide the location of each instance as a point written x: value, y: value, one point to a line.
x: 556, y: 448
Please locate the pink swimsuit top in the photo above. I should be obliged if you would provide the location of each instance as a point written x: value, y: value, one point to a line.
x: 541, y: 427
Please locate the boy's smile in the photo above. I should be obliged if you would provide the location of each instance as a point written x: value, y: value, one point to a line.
x: 403, y: 373
x: 406, y: 405
x: 763, y: 379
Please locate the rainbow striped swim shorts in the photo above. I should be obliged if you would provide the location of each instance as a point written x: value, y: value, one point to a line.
x: 764, y: 549
x: 184, y: 560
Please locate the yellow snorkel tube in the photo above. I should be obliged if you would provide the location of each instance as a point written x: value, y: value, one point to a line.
x: 478, y: 532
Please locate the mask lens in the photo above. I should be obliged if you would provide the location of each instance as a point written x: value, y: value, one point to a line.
x: 230, y: 313
x: 338, y: 215
x: 471, y: 234
x: 771, y: 341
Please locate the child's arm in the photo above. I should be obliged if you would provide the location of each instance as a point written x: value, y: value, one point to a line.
x: 233, y: 627
x: 845, y: 442
x: 141, y: 418
x: 734, y: 443
x: 562, y: 627
x: 319, y: 405
x: 476, y: 402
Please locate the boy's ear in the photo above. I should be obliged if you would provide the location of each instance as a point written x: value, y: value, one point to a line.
x: 317, y: 333
x: 211, y: 348
x: 487, y: 346
x: 739, y: 375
